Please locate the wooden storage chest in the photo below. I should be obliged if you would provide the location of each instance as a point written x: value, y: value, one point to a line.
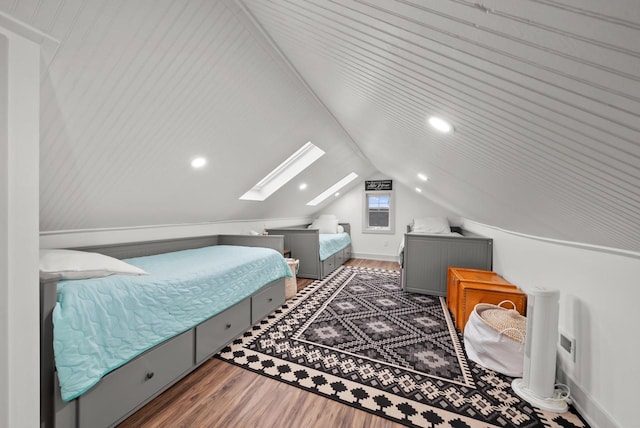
x: 456, y: 274
x: 472, y: 293
x: 468, y: 287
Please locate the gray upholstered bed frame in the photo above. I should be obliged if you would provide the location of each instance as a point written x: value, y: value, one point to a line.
x: 426, y: 259
x: 126, y: 389
x: 304, y: 245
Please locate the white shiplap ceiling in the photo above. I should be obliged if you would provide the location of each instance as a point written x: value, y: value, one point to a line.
x: 137, y: 89
x: 544, y: 96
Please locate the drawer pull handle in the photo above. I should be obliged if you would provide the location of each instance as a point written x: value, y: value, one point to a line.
x: 148, y: 376
x: 228, y: 326
x: 271, y: 299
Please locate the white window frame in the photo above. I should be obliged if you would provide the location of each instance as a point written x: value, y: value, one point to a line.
x: 365, y: 212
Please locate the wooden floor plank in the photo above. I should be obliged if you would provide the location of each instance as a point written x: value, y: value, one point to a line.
x: 219, y: 394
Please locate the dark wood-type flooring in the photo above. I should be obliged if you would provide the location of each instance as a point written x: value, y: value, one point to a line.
x: 218, y: 394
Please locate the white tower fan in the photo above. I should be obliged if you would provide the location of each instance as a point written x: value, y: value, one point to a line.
x: 537, y: 385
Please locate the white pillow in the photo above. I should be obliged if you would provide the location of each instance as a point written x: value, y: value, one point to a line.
x: 329, y: 216
x: 71, y: 264
x: 431, y: 225
x: 340, y: 229
x: 326, y: 223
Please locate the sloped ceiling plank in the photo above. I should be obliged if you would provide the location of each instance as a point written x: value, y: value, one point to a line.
x: 496, y: 83
x: 23, y: 9
x: 137, y: 89
x: 507, y: 164
x: 544, y: 95
x: 87, y: 103
x: 354, y: 54
x: 546, y: 114
x: 386, y: 100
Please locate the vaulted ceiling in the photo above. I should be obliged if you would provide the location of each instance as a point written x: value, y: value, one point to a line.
x: 544, y: 96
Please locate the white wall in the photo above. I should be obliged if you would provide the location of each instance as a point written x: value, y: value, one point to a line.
x: 408, y: 204
x: 598, y: 307
x: 4, y: 235
x: 81, y: 238
x: 19, y: 154
x: 598, y: 296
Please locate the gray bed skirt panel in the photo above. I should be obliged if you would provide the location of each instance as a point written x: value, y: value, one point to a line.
x: 427, y: 258
x: 304, y: 245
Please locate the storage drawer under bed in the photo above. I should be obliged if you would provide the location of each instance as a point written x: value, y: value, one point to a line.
x: 266, y: 300
x: 328, y: 265
x: 219, y: 330
x: 130, y: 386
x: 346, y: 253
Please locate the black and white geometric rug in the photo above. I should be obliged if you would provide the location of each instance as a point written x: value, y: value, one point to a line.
x: 357, y: 338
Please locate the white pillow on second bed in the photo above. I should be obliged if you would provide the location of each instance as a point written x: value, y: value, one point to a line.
x: 326, y: 223
x: 431, y: 225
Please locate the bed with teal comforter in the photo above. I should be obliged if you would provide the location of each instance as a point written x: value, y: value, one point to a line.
x: 102, y: 323
x: 331, y: 243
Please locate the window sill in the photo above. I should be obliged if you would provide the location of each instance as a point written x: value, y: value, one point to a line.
x: 381, y: 231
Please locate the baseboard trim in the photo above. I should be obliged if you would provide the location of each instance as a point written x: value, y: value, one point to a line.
x: 380, y: 257
x: 588, y: 408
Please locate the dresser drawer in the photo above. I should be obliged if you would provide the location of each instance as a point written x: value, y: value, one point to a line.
x: 346, y: 253
x: 328, y: 265
x: 219, y: 330
x: 339, y: 258
x: 266, y: 300
x: 126, y: 388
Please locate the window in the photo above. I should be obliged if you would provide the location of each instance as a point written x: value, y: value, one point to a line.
x: 378, y: 212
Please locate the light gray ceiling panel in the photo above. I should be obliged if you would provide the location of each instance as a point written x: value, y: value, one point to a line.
x: 137, y: 89
x: 544, y: 96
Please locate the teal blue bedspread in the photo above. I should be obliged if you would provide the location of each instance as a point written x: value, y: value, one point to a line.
x: 332, y: 242
x: 102, y: 323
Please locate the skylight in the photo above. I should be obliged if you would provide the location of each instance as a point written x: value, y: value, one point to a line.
x: 292, y: 166
x: 333, y: 189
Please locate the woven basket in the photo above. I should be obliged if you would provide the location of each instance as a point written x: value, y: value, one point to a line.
x: 494, y: 338
x: 506, y: 321
x: 290, y: 282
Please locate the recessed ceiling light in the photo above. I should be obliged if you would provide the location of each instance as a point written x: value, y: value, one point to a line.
x: 198, y: 162
x: 422, y: 177
x: 419, y: 190
x: 302, y: 186
x: 337, y: 194
x: 440, y: 124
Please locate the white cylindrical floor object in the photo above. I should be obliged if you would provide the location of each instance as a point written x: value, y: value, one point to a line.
x: 539, y: 372
x: 537, y: 385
